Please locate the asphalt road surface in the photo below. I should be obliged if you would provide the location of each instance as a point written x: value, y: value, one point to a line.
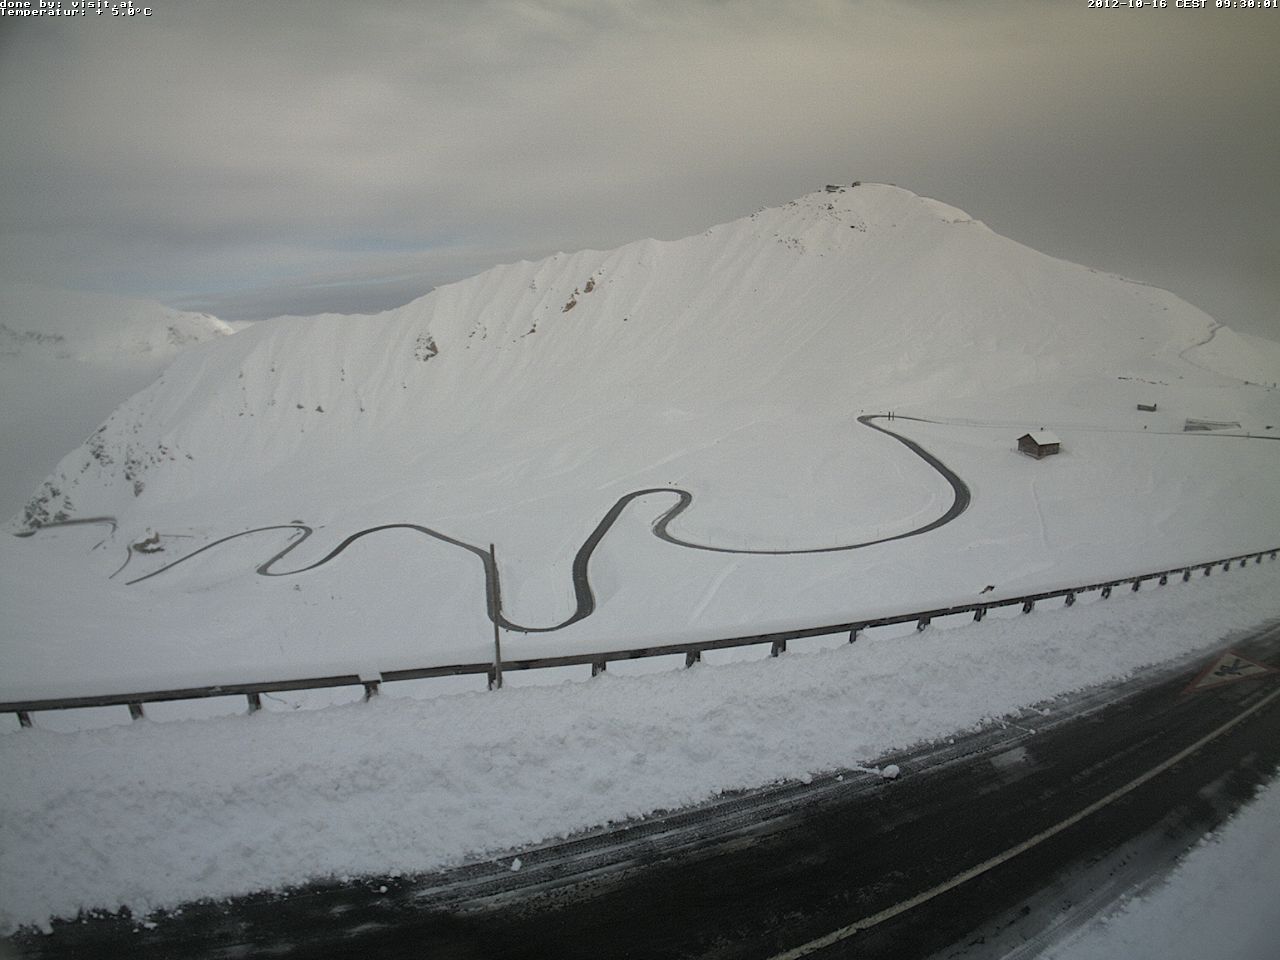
x: 584, y: 596
x: 984, y: 846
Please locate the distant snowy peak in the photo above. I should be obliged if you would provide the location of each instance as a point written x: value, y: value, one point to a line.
x: 70, y: 324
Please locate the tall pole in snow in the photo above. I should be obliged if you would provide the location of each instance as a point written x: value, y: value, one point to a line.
x: 495, y: 614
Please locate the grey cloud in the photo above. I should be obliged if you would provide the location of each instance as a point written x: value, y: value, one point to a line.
x: 331, y: 155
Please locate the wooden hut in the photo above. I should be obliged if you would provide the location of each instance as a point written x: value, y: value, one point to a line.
x: 1039, y: 444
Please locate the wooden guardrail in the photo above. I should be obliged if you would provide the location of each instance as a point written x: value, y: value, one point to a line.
x: 599, y: 661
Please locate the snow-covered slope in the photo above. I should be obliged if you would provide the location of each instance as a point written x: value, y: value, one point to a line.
x: 67, y: 359
x: 518, y: 406
x: 868, y: 298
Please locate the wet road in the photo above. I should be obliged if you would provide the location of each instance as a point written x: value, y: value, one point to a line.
x: 980, y: 845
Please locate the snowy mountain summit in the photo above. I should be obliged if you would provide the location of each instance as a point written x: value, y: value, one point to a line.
x: 794, y: 318
x: 540, y: 404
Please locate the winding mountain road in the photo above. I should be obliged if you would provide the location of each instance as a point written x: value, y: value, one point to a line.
x: 584, y: 596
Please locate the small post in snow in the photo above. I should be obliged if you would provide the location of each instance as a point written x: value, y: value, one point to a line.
x: 495, y: 610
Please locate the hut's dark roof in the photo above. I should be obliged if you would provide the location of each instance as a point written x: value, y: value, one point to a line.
x: 1041, y: 438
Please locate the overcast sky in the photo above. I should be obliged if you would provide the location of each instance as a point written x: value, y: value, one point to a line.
x: 258, y: 158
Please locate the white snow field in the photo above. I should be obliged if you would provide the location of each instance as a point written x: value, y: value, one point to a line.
x: 516, y: 408
x: 1219, y: 902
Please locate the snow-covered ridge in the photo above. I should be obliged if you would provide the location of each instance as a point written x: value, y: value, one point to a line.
x: 821, y: 304
x: 85, y: 326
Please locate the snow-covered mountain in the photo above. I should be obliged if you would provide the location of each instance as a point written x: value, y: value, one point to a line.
x: 67, y: 359
x: 521, y: 406
x: 594, y: 367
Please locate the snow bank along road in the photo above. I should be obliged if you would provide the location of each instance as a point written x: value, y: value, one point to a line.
x: 1092, y: 794
x: 585, y: 600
